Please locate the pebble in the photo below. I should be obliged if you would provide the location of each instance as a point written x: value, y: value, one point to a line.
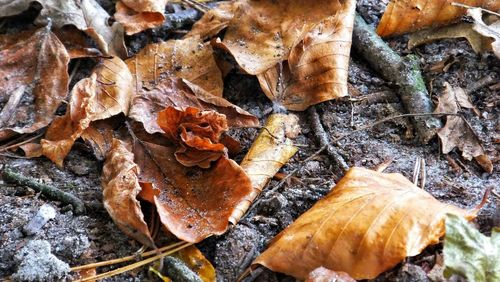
x: 44, y: 214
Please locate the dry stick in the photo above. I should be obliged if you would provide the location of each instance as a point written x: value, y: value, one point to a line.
x: 21, y: 143
x: 403, y: 72
x: 472, y: 7
x: 322, y: 136
x: 47, y: 190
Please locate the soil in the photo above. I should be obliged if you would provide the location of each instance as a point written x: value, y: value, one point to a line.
x: 92, y: 237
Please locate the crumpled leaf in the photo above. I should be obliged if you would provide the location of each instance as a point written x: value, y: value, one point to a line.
x: 213, y: 21
x: 77, y: 43
x: 492, y: 30
x: 34, y: 82
x: 402, y: 16
x: 469, y: 253
x: 322, y: 274
x: 188, y: 58
x: 136, y: 16
x: 272, y: 149
x: 107, y: 92
x: 457, y: 132
x: 198, y: 263
x: 86, y: 15
x: 198, y: 134
x: 192, y: 203
x: 181, y: 94
x: 120, y: 189
x: 369, y: 223
x: 316, y: 70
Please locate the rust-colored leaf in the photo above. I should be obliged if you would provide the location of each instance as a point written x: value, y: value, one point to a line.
x: 106, y: 93
x: 214, y: 21
x: 368, y: 223
x: 402, y: 16
x: 120, y: 189
x: 188, y: 58
x: 269, y: 152
x: 136, y: 16
x: 178, y: 93
x: 192, y: 203
x: 34, y: 82
x: 322, y: 274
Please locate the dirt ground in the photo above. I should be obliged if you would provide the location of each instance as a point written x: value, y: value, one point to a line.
x: 93, y: 236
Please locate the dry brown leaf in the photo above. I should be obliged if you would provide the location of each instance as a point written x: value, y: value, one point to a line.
x: 402, y: 16
x: 213, y: 21
x: 77, y: 43
x: 271, y: 150
x: 86, y: 15
x: 120, y: 189
x: 492, y: 30
x: 316, y: 70
x: 34, y: 82
x: 181, y: 94
x: 322, y: 274
x: 32, y: 150
x: 136, y: 16
x: 365, y: 226
x: 197, y: 262
x: 192, y: 203
x: 107, y: 92
x: 457, y: 132
x: 99, y: 136
x: 188, y: 58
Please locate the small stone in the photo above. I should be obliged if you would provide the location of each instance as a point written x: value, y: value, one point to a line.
x: 44, y: 214
x: 412, y: 273
x: 37, y: 263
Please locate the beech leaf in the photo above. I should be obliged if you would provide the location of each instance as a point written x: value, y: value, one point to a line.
x: 136, y: 16
x: 369, y: 223
x: 469, y: 253
x: 34, y: 82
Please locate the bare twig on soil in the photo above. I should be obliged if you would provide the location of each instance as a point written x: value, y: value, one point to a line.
x: 403, y: 72
x: 324, y: 140
x: 47, y: 190
x: 13, y: 146
x: 483, y: 82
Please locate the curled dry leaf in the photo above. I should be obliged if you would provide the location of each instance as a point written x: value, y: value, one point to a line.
x: 136, y: 16
x: 365, y: 226
x: 269, y: 152
x: 402, y: 16
x: 197, y: 134
x: 214, y: 21
x: 106, y: 93
x: 86, y: 15
x: 34, y: 82
x: 322, y: 274
x: 120, y: 189
x: 457, y: 132
x: 316, y: 69
x: 178, y: 93
x: 492, y: 30
x: 192, y: 203
x: 188, y: 58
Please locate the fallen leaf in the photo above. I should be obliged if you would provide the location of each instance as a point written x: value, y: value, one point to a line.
x: 469, y: 253
x: 192, y: 203
x: 178, y: 93
x: 457, y: 132
x: 77, y: 43
x: 99, y: 136
x: 213, y: 21
x: 136, y: 16
x: 316, y: 70
x: 402, y: 16
x: 322, y: 274
x: 188, y: 58
x: 368, y: 224
x: 32, y: 150
x: 270, y: 151
x: 34, y: 82
x: 197, y: 262
x: 120, y: 189
x: 492, y: 30
x: 86, y: 15
x: 107, y: 92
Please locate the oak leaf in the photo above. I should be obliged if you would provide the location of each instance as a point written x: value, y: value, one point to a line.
x: 107, y: 92
x: 402, y: 16
x: 136, y: 16
x: 34, y: 82
x: 368, y: 223
x: 179, y: 93
x: 492, y: 30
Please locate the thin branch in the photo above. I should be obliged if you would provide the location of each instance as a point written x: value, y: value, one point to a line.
x: 472, y: 7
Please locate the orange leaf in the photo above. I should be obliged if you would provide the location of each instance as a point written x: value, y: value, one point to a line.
x: 192, y: 203
x: 365, y: 226
x: 214, y: 21
x: 136, y: 16
x: 34, y: 82
x: 402, y: 16
x: 120, y: 189
x: 197, y: 262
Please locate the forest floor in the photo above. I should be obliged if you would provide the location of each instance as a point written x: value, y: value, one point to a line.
x: 90, y: 237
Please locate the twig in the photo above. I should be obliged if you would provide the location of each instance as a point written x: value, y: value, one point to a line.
x: 323, y: 139
x: 198, y: 6
x: 472, y: 7
x: 403, y: 72
x: 3, y: 149
x: 476, y: 85
x: 47, y: 190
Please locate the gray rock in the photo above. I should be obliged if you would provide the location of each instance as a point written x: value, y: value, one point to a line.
x: 37, y: 263
x: 72, y: 246
x: 44, y: 214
